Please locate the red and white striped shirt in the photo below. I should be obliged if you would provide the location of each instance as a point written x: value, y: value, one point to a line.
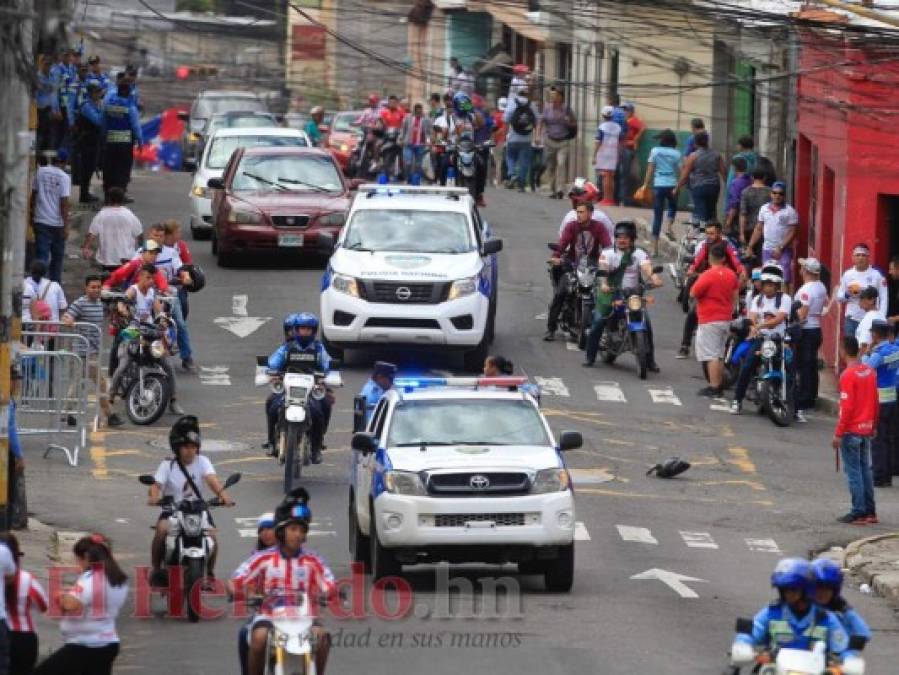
x: 274, y: 574
x: 29, y: 595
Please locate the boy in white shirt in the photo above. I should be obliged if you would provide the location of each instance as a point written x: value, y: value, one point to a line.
x: 867, y: 301
x: 812, y: 296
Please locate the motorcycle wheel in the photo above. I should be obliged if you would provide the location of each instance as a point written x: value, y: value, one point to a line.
x: 306, y: 449
x: 193, y: 575
x: 469, y: 184
x: 780, y: 412
x: 360, y: 548
x: 641, y: 353
x: 584, y: 327
x: 607, y: 354
x: 146, y: 406
x: 293, y: 465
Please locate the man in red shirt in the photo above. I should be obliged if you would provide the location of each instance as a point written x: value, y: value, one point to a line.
x: 392, y: 116
x: 635, y: 130
x: 859, y: 406
x: 716, y: 291
x: 128, y: 273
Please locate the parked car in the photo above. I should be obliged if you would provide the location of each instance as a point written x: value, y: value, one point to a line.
x: 203, y: 108
x: 344, y: 136
x: 277, y: 199
x: 216, y: 154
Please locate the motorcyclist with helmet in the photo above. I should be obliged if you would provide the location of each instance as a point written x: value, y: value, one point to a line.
x: 624, y: 264
x: 586, y: 236
x: 266, y: 541
x: 372, y: 129
x: 179, y: 478
x: 582, y: 191
x: 793, y: 621
x: 280, y: 574
x: 303, y: 341
x: 828, y: 588
x: 768, y: 311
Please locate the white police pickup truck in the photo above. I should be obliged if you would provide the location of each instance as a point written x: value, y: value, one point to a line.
x: 462, y: 470
x: 412, y: 266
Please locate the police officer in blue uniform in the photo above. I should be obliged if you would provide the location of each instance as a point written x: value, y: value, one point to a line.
x: 884, y: 358
x: 89, y: 128
x: 97, y: 75
x: 46, y: 100
x: 794, y: 621
x: 378, y: 384
x: 305, y: 327
x: 75, y: 96
x: 122, y: 132
x: 828, y: 594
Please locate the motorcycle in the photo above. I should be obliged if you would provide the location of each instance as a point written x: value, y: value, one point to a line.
x: 362, y: 163
x: 790, y: 661
x: 188, y: 545
x: 627, y: 329
x: 299, y: 384
x: 389, y: 154
x: 686, y: 252
x: 733, y: 355
x: 292, y: 642
x: 571, y: 319
x: 468, y: 160
x: 770, y: 385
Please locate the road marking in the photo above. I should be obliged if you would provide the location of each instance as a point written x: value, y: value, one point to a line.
x: 740, y: 459
x: 698, y: 539
x: 664, y: 395
x: 551, y: 386
x: 609, y: 391
x: 763, y: 545
x: 572, y: 346
x: 590, y: 476
x: 720, y: 405
x: 580, y: 532
x: 639, y: 534
x: 541, y: 317
x: 606, y: 492
x: 215, y: 375
x: 673, y: 580
x: 242, y: 326
x: 239, y: 305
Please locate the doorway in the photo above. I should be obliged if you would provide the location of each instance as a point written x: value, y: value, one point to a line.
x: 887, y: 230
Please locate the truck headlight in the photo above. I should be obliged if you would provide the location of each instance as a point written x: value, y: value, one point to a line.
x: 345, y: 284
x: 550, y: 480
x: 244, y: 217
x: 768, y: 349
x: 199, y: 190
x: 336, y: 219
x: 157, y: 349
x: 403, y: 483
x: 463, y: 287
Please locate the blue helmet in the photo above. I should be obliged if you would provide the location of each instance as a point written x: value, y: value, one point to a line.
x: 306, y: 320
x: 793, y: 573
x: 462, y: 104
x: 289, y: 322
x: 828, y: 573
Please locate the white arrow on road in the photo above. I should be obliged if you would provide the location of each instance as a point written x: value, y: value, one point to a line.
x: 240, y: 324
x: 674, y: 580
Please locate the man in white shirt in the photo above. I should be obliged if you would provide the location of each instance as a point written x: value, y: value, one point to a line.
x: 776, y: 227
x: 867, y: 301
x: 50, y: 192
x: 854, y: 280
x: 115, y: 230
x: 37, y: 287
x: 812, y: 296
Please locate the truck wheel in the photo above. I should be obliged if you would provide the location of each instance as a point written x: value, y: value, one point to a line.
x: 474, y: 360
x: 383, y: 564
x: 333, y: 352
x: 559, y: 573
x: 359, y: 544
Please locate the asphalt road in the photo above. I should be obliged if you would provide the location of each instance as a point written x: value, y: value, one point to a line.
x: 755, y: 492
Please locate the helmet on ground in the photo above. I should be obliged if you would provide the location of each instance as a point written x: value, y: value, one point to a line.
x: 266, y: 521
x: 828, y: 573
x: 772, y: 272
x: 669, y: 468
x: 583, y: 191
x: 627, y: 228
x: 185, y: 430
x: 197, y: 277
x: 294, y: 509
x: 374, y: 99
x: 462, y: 103
x: 793, y: 573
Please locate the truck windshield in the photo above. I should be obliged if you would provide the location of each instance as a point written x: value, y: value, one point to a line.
x: 409, y: 231
x: 467, y: 422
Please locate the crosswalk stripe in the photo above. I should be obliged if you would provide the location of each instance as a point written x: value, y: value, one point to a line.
x: 639, y: 534
x: 720, y: 405
x: 698, y: 539
x: 215, y: 375
x: 580, y: 532
x: 609, y: 391
x: 551, y: 386
x: 763, y: 545
x: 572, y: 346
x: 663, y: 395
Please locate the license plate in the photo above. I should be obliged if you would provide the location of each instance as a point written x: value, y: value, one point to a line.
x: 290, y: 240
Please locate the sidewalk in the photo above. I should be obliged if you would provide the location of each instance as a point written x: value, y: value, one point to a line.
x: 875, y: 561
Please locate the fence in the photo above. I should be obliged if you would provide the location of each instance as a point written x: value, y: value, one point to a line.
x: 61, y: 384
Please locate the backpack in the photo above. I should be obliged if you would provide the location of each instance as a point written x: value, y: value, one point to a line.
x: 523, y: 119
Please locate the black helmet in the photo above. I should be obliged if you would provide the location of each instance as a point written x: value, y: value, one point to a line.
x: 186, y: 429
x: 670, y: 468
x: 197, y: 276
x: 294, y: 509
x: 627, y: 227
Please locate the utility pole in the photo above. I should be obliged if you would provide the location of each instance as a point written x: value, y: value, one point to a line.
x: 16, y: 66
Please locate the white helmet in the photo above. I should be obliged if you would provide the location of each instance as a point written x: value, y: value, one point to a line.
x: 772, y: 272
x: 502, y: 103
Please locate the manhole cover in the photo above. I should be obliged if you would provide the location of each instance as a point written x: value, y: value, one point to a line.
x: 209, y: 445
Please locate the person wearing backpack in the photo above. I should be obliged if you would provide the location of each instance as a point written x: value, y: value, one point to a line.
x: 521, y: 115
x: 556, y: 128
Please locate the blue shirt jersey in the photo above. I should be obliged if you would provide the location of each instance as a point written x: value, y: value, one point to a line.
x: 122, y: 121
x: 92, y: 111
x: 15, y: 447
x: 884, y: 358
x: 277, y: 362
x: 776, y: 627
x: 372, y: 393
x: 666, y: 166
x: 47, y: 94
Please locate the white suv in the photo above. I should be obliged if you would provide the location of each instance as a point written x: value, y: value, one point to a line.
x: 462, y: 473
x: 413, y: 266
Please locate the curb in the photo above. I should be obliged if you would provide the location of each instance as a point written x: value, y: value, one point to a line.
x: 828, y: 404
x: 877, y: 568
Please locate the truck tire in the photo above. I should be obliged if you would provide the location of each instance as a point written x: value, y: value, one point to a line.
x: 558, y: 576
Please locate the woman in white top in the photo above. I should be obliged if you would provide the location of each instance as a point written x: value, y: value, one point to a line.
x: 38, y: 287
x: 89, y: 609
x: 606, y: 153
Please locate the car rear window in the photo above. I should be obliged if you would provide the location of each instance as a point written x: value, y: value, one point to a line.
x: 223, y: 147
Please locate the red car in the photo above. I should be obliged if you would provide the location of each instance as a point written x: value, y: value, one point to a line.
x: 278, y: 199
x: 344, y: 136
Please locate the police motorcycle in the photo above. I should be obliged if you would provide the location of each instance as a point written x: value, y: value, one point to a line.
x: 188, y: 545
x: 626, y: 329
x: 466, y: 157
x: 144, y: 385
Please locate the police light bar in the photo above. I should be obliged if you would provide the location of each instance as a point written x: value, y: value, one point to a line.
x: 372, y: 189
x: 410, y: 383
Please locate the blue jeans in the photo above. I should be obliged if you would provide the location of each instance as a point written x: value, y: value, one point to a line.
x: 412, y: 156
x: 519, y: 154
x: 183, y: 335
x: 50, y: 246
x: 659, y: 196
x: 705, y: 201
x: 850, y: 326
x: 855, y: 451
x: 183, y: 299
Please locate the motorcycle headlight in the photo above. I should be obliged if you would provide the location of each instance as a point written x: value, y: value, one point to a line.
x: 586, y: 277
x: 337, y: 219
x: 463, y: 287
x: 195, y: 137
x: 635, y: 303
x: 199, y: 190
x: 769, y: 349
x: 192, y: 524
x: 345, y: 284
x: 244, y: 217
x: 344, y: 147
x: 403, y: 483
x: 157, y: 349
x: 551, y: 480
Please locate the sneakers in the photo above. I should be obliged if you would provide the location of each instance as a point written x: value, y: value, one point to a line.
x: 550, y: 336
x: 316, y: 457
x: 736, y: 407
x: 653, y: 367
x: 683, y: 352
x: 710, y: 392
x: 851, y: 519
x: 114, y: 420
x: 800, y: 417
x: 588, y: 363
x: 189, y: 366
x: 871, y: 519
